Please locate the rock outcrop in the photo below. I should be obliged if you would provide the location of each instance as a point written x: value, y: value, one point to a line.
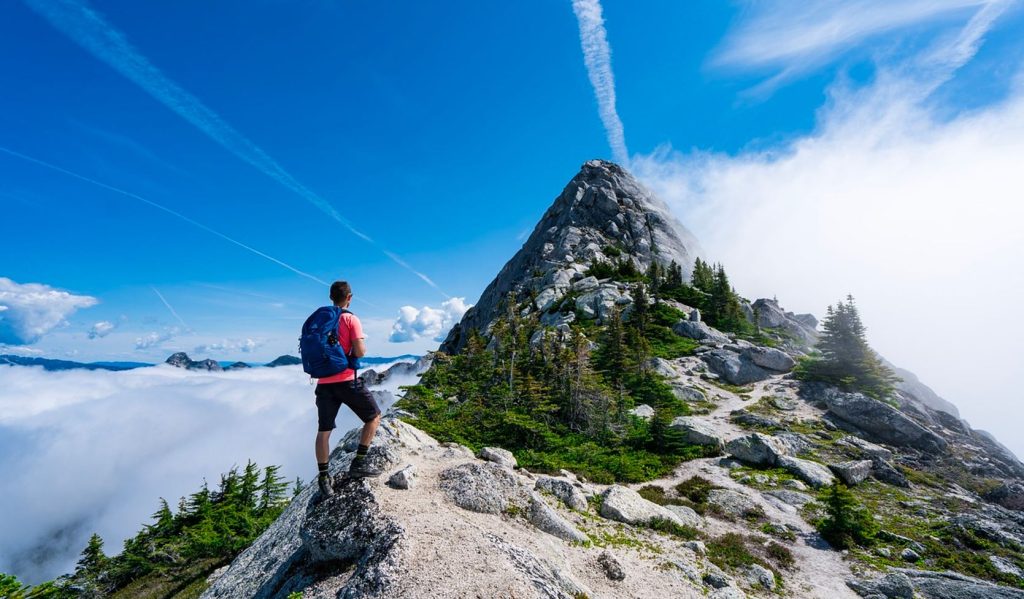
x: 603, y: 212
x: 181, y: 360
x: 880, y: 420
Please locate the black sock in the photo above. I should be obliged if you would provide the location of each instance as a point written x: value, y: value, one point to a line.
x: 322, y: 466
x: 361, y: 452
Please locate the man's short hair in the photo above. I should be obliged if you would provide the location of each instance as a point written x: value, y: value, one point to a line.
x: 340, y: 290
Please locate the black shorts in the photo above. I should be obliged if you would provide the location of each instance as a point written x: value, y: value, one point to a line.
x: 355, y: 395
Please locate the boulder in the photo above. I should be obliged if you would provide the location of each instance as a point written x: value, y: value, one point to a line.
x: 790, y: 497
x: 643, y: 411
x: 759, y: 576
x: 687, y: 515
x: 884, y: 471
x: 611, y: 566
x: 599, y: 303
x: 695, y: 329
x: 626, y: 505
x: 548, y: 520
x: 499, y: 456
x: 689, y: 393
x: 403, y: 479
x: 748, y: 419
x: 697, y: 431
x: 866, y: 447
x: 770, y: 358
x: 890, y: 586
x: 547, y: 298
x: 662, y: 367
x: 882, y: 421
x: 756, y: 449
x: 736, y: 369
x: 564, y: 489
x: 732, y: 503
x: 853, y: 472
x: 585, y: 284
x: 950, y: 585
x: 810, y: 472
x: 483, y: 487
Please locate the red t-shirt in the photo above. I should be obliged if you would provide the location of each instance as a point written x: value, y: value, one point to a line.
x: 349, y: 328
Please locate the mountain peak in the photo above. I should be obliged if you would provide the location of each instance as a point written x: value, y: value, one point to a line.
x: 603, y: 214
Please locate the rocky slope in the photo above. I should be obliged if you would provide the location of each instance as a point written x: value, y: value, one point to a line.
x: 443, y: 522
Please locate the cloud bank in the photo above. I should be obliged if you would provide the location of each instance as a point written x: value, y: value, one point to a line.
x: 99, y: 459
x: 30, y: 310
x: 597, y: 56
x: 914, y: 211
x: 427, y: 322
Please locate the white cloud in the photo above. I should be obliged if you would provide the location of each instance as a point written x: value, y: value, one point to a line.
x: 99, y: 459
x: 597, y: 56
x: 155, y: 338
x: 433, y: 323
x: 916, y: 213
x: 101, y: 329
x: 31, y: 310
x: 230, y: 345
x: 790, y: 37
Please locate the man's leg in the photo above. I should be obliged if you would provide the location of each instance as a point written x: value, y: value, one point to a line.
x: 362, y: 403
x: 327, y: 405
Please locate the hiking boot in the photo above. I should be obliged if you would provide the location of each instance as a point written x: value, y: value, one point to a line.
x: 360, y: 468
x: 326, y: 488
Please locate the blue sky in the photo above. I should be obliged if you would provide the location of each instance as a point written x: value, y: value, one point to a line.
x: 441, y: 133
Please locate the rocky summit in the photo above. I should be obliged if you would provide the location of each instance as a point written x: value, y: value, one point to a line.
x: 600, y: 214
x: 747, y: 470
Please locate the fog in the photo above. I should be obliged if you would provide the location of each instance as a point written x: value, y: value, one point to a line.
x: 914, y: 212
x: 93, y: 451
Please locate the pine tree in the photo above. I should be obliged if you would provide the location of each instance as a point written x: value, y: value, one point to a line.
x: 846, y: 522
x: 703, y: 277
x: 91, y: 578
x: 846, y: 358
x: 273, y: 490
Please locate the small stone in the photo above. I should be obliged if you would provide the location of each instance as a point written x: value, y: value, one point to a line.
x: 910, y: 555
x: 403, y: 479
x: 612, y: 568
x: 697, y: 547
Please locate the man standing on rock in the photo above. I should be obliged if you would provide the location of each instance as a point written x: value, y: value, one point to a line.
x: 345, y: 388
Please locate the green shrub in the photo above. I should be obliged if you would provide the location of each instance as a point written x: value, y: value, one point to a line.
x: 696, y: 489
x: 687, y: 533
x: 730, y: 551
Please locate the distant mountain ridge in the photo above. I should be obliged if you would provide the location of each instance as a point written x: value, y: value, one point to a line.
x: 56, y: 365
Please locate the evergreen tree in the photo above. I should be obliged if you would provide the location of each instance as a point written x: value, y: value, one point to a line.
x: 703, y: 277
x: 846, y: 522
x: 846, y: 358
x: 90, y: 578
x: 273, y: 490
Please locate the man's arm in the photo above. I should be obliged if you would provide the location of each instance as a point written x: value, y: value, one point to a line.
x: 358, y: 338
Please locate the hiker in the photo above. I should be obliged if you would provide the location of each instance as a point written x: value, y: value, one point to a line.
x: 344, y: 387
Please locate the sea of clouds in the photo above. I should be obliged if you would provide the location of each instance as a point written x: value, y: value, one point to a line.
x: 93, y: 451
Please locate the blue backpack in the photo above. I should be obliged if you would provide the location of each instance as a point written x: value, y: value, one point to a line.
x: 322, y: 354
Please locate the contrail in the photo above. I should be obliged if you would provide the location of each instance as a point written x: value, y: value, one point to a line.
x: 597, y: 55
x: 75, y: 19
x: 170, y: 307
x: 161, y: 207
